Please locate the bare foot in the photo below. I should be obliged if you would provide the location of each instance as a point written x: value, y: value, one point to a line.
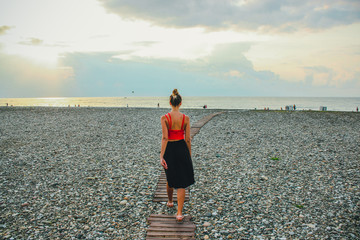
x: 179, y: 218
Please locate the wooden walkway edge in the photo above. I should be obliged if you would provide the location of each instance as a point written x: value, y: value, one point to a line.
x: 165, y: 226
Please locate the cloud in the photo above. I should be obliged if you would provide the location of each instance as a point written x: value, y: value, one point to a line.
x: 4, y: 29
x: 228, y: 64
x: 285, y: 16
x: 220, y: 73
x: 324, y: 76
x: 224, y: 72
x: 32, y: 42
x: 106, y: 74
x: 40, y: 42
x: 234, y: 73
x: 144, y: 43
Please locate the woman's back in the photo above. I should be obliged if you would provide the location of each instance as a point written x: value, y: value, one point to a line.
x: 177, y: 120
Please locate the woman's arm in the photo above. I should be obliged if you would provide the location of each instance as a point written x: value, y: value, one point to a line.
x: 187, y: 133
x: 164, y: 141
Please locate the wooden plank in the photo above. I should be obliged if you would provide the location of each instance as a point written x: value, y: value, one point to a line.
x: 166, y: 224
x: 156, y: 238
x: 170, y: 229
x: 171, y: 234
x: 164, y: 192
x: 195, y: 128
x: 167, y: 216
x: 178, y: 227
x: 186, y: 225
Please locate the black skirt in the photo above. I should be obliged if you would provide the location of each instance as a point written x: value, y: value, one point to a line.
x: 180, y: 172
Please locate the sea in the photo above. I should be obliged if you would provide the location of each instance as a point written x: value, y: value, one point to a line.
x: 271, y: 103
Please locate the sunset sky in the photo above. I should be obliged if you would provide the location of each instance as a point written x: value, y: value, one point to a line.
x: 99, y: 48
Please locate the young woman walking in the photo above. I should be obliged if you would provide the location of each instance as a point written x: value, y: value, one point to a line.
x: 175, y: 154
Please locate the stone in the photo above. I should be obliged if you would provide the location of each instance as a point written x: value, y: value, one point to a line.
x: 310, y: 225
x: 206, y: 224
x: 25, y: 204
x: 208, y: 214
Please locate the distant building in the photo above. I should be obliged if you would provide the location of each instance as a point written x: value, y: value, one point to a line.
x: 322, y: 108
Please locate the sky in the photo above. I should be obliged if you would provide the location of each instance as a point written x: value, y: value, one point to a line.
x: 110, y: 48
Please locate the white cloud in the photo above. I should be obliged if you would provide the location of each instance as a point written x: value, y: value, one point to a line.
x: 4, y: 29
x: 32, y: 41
x: 234, y: 73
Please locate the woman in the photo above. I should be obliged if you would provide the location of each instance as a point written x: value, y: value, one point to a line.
x: 175, y: 154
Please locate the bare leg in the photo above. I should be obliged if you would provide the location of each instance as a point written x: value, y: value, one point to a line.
x: 170, y: 192
x: 180, y: 200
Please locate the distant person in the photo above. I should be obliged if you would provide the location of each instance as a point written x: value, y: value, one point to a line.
x: 294, y: 107
x: 7, y: 104
x: 357, y: 109
x: 175, y: 155
x: 205, y: 106
x: 158, y: 104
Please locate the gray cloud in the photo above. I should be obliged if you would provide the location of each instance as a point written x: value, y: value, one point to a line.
x: 4, y: 29
x: 225, y: 72
x: 220, y: 73
x: 265, y: 15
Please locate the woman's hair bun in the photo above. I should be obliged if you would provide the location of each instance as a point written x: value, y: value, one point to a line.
x: 175, y: 92
x: 175, y: 98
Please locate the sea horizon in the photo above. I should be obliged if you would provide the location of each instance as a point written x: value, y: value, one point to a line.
x: 193, y: 102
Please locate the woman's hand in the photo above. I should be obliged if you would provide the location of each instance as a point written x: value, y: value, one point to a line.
x: 163, y: 163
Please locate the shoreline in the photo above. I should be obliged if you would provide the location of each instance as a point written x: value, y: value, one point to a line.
x: 162, y: 108
x: 248, y: 103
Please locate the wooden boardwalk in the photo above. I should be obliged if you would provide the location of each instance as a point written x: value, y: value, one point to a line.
x: 161, y: 194
x: 165, y: 226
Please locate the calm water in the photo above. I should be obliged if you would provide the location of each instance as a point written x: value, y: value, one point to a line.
x: 302, y: 103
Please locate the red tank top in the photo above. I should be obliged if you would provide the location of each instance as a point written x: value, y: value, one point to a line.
x: 175, y: 134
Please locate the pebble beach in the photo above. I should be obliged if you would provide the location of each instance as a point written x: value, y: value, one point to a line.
x: 90, y: 173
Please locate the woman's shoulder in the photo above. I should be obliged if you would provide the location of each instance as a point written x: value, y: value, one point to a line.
x: 187, y: 118
x: 163, y: 117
